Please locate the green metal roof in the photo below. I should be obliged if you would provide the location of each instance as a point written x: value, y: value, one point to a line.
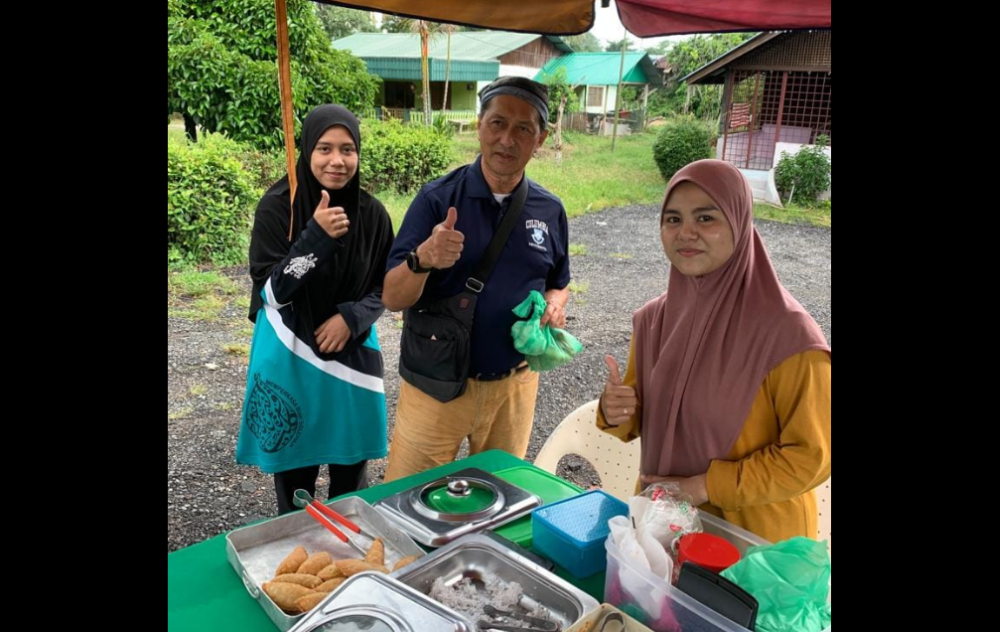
x: 601, y: 69
x: 465, y: 45
x: 403, y: 69
x: 474, y: 55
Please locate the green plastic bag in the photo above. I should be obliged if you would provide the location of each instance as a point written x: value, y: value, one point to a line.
x: 545, y: 348
x: 791, y: 581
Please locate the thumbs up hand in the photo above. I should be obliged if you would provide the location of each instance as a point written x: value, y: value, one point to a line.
x: 333, y: 220
x: 618, y: 402
x: 444, y: 247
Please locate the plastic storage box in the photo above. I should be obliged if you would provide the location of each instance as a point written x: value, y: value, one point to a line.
x: 572, y: 532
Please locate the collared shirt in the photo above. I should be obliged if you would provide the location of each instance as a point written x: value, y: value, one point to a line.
x: 535, y: 257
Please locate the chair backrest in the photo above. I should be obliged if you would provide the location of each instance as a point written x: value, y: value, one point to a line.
x: 615, y: 461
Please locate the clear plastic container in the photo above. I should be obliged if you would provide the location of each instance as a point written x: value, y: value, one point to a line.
x: 655, y: 603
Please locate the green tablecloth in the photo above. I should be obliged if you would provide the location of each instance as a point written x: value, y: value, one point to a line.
x: 205, y: 594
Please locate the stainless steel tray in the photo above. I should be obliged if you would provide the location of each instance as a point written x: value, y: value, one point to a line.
x: 475, y: 555
x: 379, y: 603
x: 256, y: 550
x: 408, y: 511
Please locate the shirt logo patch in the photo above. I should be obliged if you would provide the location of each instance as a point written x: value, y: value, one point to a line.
x: 537, y: 231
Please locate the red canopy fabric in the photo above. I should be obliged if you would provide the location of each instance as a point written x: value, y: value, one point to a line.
x: 649, y: 18
x: 644, y: 18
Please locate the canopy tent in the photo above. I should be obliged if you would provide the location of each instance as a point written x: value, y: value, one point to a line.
x: 643, y: 18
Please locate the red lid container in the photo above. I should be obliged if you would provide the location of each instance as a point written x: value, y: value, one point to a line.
x: 708, y: 551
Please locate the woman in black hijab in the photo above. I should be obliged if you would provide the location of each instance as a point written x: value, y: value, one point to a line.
x: 314, y: 385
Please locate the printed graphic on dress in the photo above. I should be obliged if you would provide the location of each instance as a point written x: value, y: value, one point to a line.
x: 298, y: 266
x: 273, y: 415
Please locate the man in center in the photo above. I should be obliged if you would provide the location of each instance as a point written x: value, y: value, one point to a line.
x: 443, y: 238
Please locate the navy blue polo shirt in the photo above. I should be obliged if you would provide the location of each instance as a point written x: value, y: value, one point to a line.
x: 535, y: 257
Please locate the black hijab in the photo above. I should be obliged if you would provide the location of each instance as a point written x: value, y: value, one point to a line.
x: 352, y: 272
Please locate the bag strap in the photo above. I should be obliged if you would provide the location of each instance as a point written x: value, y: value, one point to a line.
x: 477, y: 281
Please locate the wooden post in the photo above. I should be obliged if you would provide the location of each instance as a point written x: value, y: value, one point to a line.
x: 618, y: 96
x: 645, y: 106
x: 287, y: 111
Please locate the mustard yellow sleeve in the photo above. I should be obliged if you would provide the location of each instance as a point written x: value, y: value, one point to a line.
x: 630, y: 429
x: 799, y: 391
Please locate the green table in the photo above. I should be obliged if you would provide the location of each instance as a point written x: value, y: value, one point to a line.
x: 205, y: 594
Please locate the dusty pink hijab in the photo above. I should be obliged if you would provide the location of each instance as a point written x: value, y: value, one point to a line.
x: 704, y: 347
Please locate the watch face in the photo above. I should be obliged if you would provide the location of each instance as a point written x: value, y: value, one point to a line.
x: 413, y: 262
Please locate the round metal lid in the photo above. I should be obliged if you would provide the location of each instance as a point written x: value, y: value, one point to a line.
x: 458, y: 499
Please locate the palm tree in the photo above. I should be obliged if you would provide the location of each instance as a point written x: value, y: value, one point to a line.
x: 425, y: 37
x: 427, y: 31
x: 449, y: 29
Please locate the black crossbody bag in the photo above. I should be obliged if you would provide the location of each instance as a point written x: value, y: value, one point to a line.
x: 435, y: 350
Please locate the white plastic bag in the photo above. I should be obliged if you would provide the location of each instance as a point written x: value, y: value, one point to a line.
x: 665, y: 514
x: 647, y: 556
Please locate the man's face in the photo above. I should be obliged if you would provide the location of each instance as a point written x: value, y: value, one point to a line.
x: 509, y: 133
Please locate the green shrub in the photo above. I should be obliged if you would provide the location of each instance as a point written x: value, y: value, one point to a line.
x: 401, y: 157
x: 805, y: 175
x: 210, y: 202
x: 681, y: 141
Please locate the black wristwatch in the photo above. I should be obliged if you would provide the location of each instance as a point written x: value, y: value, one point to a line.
x: 413, y: 263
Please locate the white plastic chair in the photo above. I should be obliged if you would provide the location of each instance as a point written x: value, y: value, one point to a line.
x: 824, y: 500
x: 617, y: 462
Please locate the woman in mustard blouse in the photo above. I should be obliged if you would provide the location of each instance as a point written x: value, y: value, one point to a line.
x: 728, y: 379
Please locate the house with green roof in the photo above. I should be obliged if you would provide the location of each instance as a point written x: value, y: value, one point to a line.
x: 595, y: 76
x: 477, y: 57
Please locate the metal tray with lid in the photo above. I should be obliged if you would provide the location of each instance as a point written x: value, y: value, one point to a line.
x: 372, y: 602
x: 465, y: 502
